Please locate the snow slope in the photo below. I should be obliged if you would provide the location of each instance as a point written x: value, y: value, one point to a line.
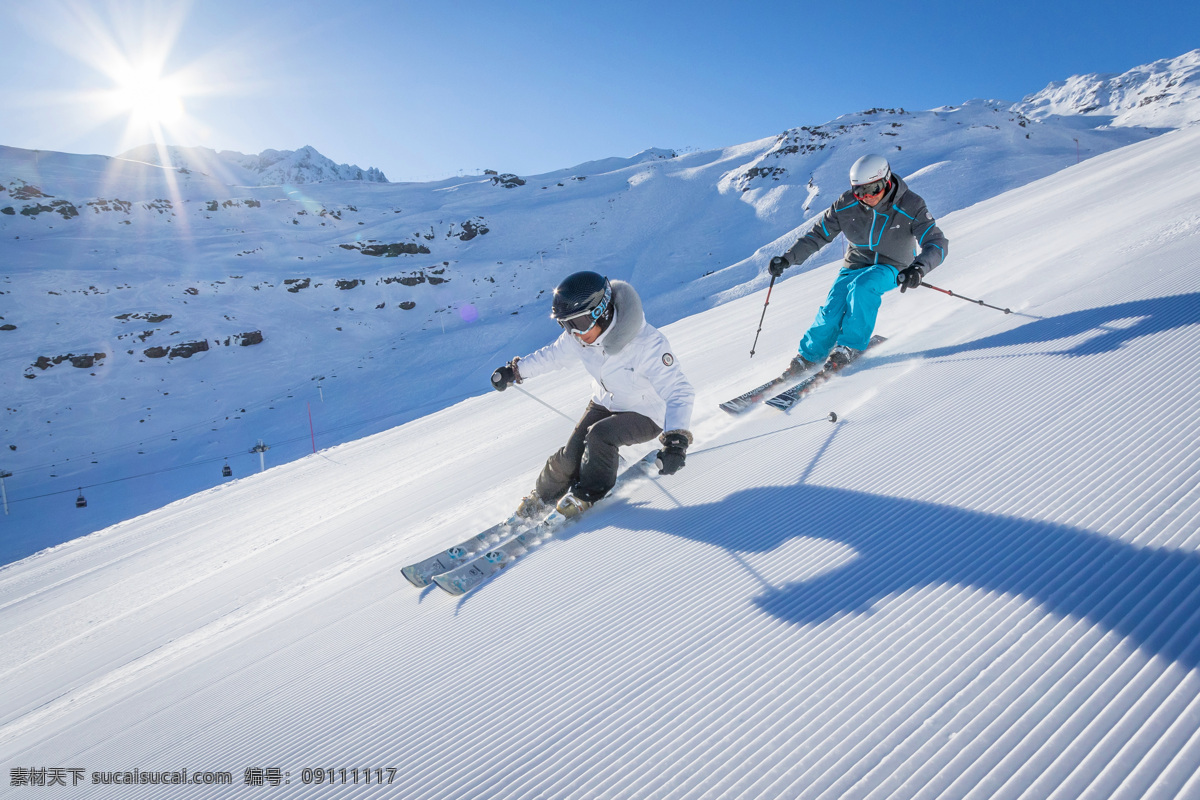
x: 982, y: 582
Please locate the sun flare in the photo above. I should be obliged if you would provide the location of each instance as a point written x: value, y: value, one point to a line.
x: 147, y: 96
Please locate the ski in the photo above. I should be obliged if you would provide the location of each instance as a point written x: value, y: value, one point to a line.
x: 420, y: 573
x: 469, y: 574
x: 744, y: 402
x: 785, y: 400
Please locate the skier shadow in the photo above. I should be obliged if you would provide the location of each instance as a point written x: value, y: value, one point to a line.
x: 1150, y: 596
x: 1154, y: 315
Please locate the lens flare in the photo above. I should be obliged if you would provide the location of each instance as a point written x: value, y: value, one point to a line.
x: 140, y: 84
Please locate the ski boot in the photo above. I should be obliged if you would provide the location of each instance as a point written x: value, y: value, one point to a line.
x: 842, y: 355
x: 571, y: 506
x: 533, y: 507
x: 799, y: 366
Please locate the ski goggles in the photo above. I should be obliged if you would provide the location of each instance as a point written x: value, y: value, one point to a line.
x: 584, y: 321
x: 870, y: 189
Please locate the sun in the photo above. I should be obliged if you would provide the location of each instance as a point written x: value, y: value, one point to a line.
x: 150, y: 98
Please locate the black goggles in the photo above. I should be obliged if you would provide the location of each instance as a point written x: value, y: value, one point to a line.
x: 579, y: 324
x: 870, y: 189
x: 584, y: 321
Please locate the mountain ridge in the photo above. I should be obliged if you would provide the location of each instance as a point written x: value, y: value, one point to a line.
x: 268, y: 168
x: 1161, y: 94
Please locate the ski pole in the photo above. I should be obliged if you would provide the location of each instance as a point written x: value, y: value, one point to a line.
x: 531, y: 396
x: 960, y: 297
x: 764, y: 316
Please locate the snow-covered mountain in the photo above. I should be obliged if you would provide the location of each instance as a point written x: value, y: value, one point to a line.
x: 982, y: 581
x: 158, y: 322
x: 1162, y: 94
x: 268, y: 168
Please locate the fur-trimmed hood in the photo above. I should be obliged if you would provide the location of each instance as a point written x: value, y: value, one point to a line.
x: 628, y: 319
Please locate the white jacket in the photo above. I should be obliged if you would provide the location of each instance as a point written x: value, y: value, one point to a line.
x: 631, y: 364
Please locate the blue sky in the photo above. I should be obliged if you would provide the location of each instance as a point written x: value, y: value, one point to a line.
x: 426, y: 90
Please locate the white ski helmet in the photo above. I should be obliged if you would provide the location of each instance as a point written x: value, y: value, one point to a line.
x: 868, y: 169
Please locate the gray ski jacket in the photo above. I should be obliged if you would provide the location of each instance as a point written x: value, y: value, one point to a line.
x: 899, y: 231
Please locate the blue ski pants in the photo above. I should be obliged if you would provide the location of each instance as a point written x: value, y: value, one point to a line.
x: 848, y: 316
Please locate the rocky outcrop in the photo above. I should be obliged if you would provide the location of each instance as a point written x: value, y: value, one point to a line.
x: 246, y: 339
x: 473, y: 228
x: 507, y: 180
x: 80, y: 361
x: 65, y: 208
x: 387, y: 250
x: 153, y: 319
x: 183, y: 350
x: 189, y: 349
x: 101, y: 205
x: 27, y: 191
x: 431, y: 276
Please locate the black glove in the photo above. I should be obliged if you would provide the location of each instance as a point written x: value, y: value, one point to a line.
x: 671, y: 457
x: 506, y: 376
x: 776, y: 267
x: 910, y: 277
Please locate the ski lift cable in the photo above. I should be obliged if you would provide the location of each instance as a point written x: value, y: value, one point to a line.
x: 119, y: 480
x: 214, y: 459
x: 266, y: 402
x: 437, y: 402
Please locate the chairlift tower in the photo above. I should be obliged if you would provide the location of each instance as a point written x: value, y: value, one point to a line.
x: 260, y: 448
x: 4, y: 492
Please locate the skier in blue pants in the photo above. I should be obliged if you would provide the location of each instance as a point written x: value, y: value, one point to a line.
x: 848, y: 316
x: 893, y: 241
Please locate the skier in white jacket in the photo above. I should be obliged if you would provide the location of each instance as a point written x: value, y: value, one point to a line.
x: 639, y: 391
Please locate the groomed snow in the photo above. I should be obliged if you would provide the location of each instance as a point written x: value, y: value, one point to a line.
x: 982, y: 582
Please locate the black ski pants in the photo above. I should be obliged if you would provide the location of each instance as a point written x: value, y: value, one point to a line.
x: 587, y: 463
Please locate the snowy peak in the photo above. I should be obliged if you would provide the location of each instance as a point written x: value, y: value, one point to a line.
x: 268, y: 168
x: 605, y: 165
x: 1162, y: 94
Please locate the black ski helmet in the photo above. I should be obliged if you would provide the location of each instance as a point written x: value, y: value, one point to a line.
x: 582, y: 300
